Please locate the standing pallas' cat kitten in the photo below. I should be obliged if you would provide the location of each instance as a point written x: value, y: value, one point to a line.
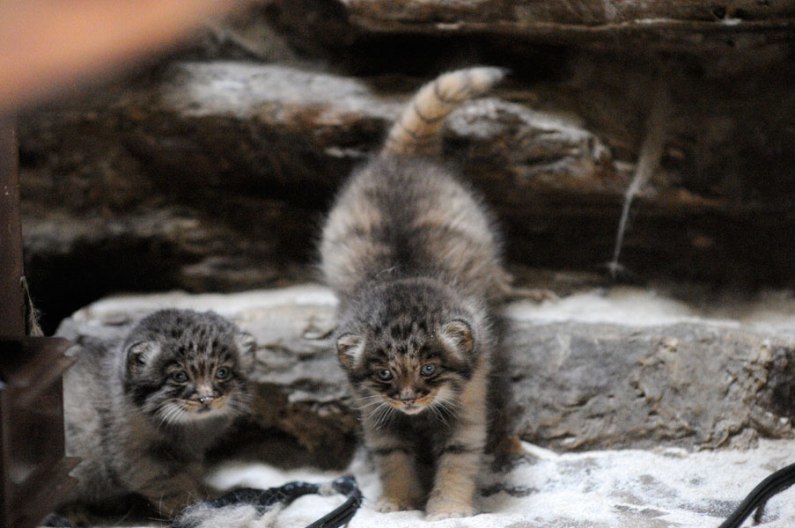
x: 141, y: 415
x: 414, y: 260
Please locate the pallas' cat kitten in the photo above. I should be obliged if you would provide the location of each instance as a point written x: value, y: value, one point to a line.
x: 414, y: 259
x: 142, y: 414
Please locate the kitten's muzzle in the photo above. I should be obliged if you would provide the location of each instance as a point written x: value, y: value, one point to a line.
x: 206, y: 399
x: 411, y: 395
x: 411, y: 401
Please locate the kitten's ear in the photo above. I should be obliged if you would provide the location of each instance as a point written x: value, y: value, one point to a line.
x: 349, y: 349
x: 141, y: 354
x: 457, y: 338
x: 247, y: 345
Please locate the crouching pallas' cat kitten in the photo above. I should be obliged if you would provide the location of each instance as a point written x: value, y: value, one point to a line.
x: 142, y: 414
x: 414, y: 260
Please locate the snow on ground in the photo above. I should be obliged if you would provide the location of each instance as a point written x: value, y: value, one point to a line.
x: 598, y: 489
x: 620, y: 305
x: 640, y: 307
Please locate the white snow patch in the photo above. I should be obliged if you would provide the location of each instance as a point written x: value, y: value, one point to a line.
x: 771, y: 311
x: 652, y: 21
x: 225, y: 304
x: 597, y: 489
x: 630, y: 306
x: 479, y: 118
x: 627, y: 306
x: 244, y: 90
x: 654, y: 489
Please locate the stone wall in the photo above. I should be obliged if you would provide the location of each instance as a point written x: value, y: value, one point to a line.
x: 572, y: 384
x: 210, y: 169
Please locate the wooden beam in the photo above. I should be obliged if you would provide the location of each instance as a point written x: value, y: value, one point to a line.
x: 34, y: 473
x: 578, y: 14
x: 12, y: 319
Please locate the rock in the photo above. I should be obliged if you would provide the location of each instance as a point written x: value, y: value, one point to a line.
x: 300, y: 405
x: 608, y: 386
x: 250, y: 151
x: 217, y: 176
x: 246, y: 126
x: 675, y: 381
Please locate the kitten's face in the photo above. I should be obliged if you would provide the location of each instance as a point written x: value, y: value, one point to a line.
x: 186, y: 368
x: 407, y: 367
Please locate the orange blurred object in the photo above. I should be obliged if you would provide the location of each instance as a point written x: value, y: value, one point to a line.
x: 47, y: 46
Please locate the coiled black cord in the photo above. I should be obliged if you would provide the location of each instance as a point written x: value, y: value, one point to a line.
x: 265, y: 499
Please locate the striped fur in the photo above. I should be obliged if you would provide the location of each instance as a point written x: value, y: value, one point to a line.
x: 141, y: 413
x: 413, y: 256
x: 417, y: 132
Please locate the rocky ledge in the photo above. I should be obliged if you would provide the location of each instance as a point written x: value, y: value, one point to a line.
x: 210, y: 169
x: 595, y: 370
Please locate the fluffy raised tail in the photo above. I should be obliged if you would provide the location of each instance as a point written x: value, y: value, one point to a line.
x: 416, y: 133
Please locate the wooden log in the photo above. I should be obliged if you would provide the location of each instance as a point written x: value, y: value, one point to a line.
x: 12, y: 301
x: 574, y: 13
x: 694, y: 25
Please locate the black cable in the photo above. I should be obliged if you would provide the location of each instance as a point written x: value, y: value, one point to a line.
x: 264, y: 499
x: 773, y: 484
x: 346, y: 486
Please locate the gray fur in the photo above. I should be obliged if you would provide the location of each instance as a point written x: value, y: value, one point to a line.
x: 137, y: 426
x: 413, y: 256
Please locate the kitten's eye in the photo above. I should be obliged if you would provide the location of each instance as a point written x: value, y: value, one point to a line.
x: 179, y: 376
x: 428, y: 369
x: 223, y: 373
x: 384, y: 374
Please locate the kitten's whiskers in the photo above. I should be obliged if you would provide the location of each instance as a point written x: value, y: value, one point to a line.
x: 172, y: 414
x: 369, y: 401
x: 382, y: 414
x: 445, y: 409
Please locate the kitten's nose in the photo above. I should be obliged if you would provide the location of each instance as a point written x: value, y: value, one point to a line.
x: 205, y: 399
x: 407, y: 395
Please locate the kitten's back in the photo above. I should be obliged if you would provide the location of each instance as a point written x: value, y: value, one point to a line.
x: 404, y: 214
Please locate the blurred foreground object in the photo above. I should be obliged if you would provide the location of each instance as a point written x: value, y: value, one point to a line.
x: 47, y: 46
x: 34, y: 473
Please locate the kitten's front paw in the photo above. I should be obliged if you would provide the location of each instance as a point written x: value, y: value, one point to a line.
x: 391, y: 504
x: 443, y: 508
